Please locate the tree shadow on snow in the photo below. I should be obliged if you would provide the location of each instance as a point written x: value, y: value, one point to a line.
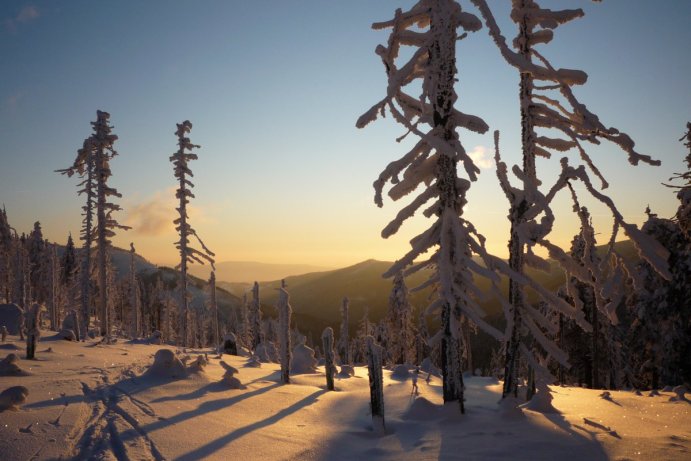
x: 203, y: 408
x: 216, y: 445
x: 477, y: 435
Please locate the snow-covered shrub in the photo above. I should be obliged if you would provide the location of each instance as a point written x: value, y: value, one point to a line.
x: 9, y: 366
x: 167, y: 365
x: 229, y: 378
x: 303, y: 360
x: 12, y: 397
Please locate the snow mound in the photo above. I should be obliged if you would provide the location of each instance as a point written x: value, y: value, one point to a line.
x: 11, y: 317
x: 198, y: 365
x: 267, y: 352
x: 156, y: 337
x: 346, y: 371
x: 9, y: 366
x: 427, y: 367
x: 421, y: 410
x: 67, y: 335
x: 166, y: 365
x: 12, y: 397
x: 400, y: 372
x: 230, y: 344
x: 253, y: 362
x: 70, y: 321
x: 509, y: 408
x: 229, y: 379
x: 303, y: 360
x: 681, y: 394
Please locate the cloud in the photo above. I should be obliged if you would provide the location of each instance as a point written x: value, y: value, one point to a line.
x: 154, y: 216
x: 482, y: 157
x: 27, y: 14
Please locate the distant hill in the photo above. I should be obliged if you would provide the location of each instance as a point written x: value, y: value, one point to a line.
x: 316, y: 297
x: 249, y: 271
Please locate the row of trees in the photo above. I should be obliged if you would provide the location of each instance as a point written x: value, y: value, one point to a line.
x: 547, y: 106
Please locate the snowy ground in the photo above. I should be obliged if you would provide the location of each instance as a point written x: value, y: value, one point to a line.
x: 88, y: 401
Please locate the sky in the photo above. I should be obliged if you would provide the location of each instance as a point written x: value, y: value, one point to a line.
x: 274, y: 88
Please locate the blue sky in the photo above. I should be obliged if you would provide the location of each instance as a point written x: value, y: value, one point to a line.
x: 273, y: 90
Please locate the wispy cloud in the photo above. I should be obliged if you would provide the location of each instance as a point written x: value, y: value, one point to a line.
x: 154, y: 216
x: 482, y: 157
x: 27, y: 14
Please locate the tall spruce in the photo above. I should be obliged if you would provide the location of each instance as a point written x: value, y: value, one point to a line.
x: 402, y: 334
x: 188, y: 254
x: 135, y: 316
x: 547, y: 102
x: 284, y: 314
x: 5, y: 256
x: 344, y: 342
x: 255, y: 319
x: 213, y: 305
x: 432, y: 162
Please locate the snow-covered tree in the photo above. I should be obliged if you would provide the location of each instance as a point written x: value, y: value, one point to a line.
x: 402, y: 344
x: 376, y: 385
x: 135, y: 317
x: 184, y: 193
x: 53, y: 285
x: 102, y: 141
x: 21, y: 287
x: 548, y: 102
x: 284, y: 313
x: 84, y: 166
x: 343, y: 341
x: 244, y: 332
x: 430, y: 26
x: 255, y: 319
x: 33, y: 329
x: 5, y: 256
x: 213, y: 306
x: 38, y: 269
x: 329, y: 357
x: 659, y: 346
x: 93, y: 165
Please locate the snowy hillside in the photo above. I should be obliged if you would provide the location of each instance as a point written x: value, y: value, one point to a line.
x: 89, y: 401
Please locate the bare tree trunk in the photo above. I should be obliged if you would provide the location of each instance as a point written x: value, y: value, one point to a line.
x: 329, y: 367
x: 376, y: 385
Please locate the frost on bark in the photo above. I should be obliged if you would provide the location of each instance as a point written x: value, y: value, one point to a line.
x: 343, y: 342
x: 432, y: 165
x: 188, y: 254
x: 547, y: 102
x: 376, y: 385
x: 284, y: 313
x: 255, y: 318
x: 329, y: 357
